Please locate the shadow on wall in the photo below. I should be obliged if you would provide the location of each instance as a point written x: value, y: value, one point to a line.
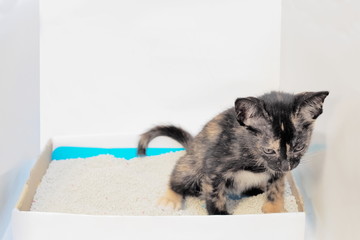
x: 308, y: 175
x: 339, y: 208
x: 11, y: 183
x: 330, y: 176
x: 7, y: 5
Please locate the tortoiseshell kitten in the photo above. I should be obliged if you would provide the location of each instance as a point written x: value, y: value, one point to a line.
x: 252, y: 145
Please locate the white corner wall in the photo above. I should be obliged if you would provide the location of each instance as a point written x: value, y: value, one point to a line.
x: 320, y: 50
x: 122, y: 66
x: 19, y: 99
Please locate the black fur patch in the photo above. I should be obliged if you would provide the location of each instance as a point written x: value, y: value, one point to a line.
x: 229, y: 183
x: 213, y: 210
x: 176, y: 133
x: 252, y: 192
x: 280, y: 110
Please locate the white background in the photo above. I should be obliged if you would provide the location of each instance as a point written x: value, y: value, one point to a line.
x: 320, y: 50
x: 19, y: 99
x: 121, y: 67
x: 124, y: 66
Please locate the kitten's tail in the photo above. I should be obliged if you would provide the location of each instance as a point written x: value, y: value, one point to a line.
x: 176, y: 133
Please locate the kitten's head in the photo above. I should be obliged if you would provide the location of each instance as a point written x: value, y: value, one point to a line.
x: 281, y: 125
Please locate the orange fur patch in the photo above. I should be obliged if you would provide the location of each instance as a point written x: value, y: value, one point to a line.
x: 170, y: 199
x: 274, y: 207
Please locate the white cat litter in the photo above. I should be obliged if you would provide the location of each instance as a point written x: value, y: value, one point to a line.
x: 105, y: 185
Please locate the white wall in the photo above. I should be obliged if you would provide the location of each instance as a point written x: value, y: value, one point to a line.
x: 320, y: 48
x: 321, y: 51
x: 121, y: 66
x: 124, y: 66
x: 19, y: 99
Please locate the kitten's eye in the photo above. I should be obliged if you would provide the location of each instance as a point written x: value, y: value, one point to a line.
x: 298, y: 148
x: 268, y: 151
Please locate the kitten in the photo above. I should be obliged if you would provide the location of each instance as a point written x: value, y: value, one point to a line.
x: 250, y: 146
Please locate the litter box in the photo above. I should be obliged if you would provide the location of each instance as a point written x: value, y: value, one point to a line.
x: 29, y: 225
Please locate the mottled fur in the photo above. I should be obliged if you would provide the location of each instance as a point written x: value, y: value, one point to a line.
x: 251, y: 145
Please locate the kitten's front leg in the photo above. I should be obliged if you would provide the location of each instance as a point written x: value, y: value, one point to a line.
x: 214, y: 190
x: 274, y: 196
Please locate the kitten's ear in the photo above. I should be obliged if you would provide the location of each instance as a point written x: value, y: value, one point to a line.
x: 249, y: 108
x: 309, y: 104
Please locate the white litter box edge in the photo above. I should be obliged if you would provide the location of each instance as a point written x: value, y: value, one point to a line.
x: 42, y: 226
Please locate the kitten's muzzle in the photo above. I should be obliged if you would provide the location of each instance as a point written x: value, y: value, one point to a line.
x: 285, y: 165
x: 281, y: 166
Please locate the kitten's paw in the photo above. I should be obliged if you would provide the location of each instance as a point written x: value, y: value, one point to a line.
x: 170, y: 200
x: 273, y: 207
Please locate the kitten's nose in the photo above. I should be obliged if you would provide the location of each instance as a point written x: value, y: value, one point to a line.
x: 285, y: 165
